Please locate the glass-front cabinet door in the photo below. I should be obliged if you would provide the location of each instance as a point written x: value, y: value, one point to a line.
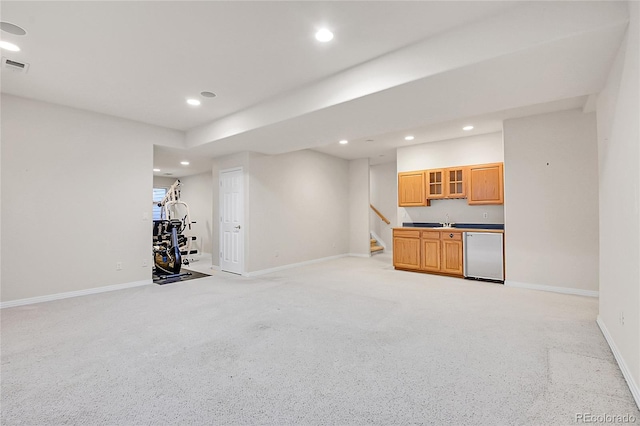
x: 455, y: 183
x: 435, y: 183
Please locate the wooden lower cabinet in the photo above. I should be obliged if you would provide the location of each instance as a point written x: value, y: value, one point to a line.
x: 406, y: 250
x: 451, y: 256
x: 431, y: 252
x: 428, y: 251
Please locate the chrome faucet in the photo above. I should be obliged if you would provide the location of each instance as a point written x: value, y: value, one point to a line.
x: 446, y: 223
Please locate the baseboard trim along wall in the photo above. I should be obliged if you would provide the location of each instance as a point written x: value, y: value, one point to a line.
x: 626, y: 373
x: 66, y: 295
x: 563, y: 290
x: 365, y: 255
x: 292, y: 265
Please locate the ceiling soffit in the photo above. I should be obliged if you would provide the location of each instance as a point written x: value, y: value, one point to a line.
x: 540, y: 36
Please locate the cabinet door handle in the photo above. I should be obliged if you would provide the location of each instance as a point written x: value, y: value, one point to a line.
x: 450, y: 235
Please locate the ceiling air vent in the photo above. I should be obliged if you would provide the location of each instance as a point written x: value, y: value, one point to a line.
x: 15, y: 66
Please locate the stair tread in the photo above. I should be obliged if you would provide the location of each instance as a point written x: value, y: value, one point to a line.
x: 376, y: 248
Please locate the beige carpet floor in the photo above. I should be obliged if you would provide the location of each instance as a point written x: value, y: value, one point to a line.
x: 345, y: 342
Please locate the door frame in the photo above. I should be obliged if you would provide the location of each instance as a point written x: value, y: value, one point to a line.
x: 220, y: 209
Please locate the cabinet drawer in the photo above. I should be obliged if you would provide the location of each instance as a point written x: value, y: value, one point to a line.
x: 406, y: 233
x: 456, y: 236
x: 431, y: 235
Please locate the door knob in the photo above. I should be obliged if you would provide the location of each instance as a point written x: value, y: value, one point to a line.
x: 237, y: 227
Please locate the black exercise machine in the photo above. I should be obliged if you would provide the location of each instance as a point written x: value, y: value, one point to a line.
x: 166, y: 249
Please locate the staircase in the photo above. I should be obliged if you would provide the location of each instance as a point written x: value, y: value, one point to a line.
x: 375, y: 248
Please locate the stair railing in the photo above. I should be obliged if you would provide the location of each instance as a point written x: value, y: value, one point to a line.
x: 380, y: 215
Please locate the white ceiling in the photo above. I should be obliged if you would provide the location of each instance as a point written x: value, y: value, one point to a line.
x: 393, y: 68
x: 382, y: 148
x: 140, y: 60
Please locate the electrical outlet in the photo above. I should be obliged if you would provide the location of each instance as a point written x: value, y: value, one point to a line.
x: 118, y: 266
x: 621, y: 318
x: 145, y: 263
x: 485, y: 215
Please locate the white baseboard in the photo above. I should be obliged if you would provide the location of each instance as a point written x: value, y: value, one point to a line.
x: 564, y: 290
x: 365, y: 255
x: 291, y: 265
x: 66, y: 295
x: 633, y: 386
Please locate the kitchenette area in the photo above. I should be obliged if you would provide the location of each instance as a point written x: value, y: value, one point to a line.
x: 468, y: 248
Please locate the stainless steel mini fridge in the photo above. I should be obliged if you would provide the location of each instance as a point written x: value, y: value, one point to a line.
x: 483, y: 256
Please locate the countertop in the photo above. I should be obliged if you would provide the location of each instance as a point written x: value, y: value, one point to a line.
x: 493, y: 228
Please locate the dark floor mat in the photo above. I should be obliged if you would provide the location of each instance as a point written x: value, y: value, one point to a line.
x: 192, y: 276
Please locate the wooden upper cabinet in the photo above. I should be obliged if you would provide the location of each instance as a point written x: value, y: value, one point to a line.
x: 411, y: 189
x: 435, y: 183
x: 486, y: 184
x: 456, y: 182
x: 446, y: 183
x: 479, y: 184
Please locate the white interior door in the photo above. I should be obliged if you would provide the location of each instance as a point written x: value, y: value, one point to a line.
x: 232, y: 221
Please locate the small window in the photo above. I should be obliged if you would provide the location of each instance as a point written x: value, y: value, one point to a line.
x: 158, y: 195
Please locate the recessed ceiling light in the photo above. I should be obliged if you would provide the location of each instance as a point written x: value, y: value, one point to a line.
x: 208, y: 94
x: 467, y: 128
x: 409, y: 138
x: 343, y: 142
x: 10, y: 28
x: 184, y: 163
x: 156, y: 170
x: 9, y: 46
x: 369, y: 140
x: 193, y: 102
x: 324, y: 35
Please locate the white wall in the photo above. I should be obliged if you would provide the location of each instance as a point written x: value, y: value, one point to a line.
x: 384, y: 197
x: 358, y: 206
x: 163, y: 181
x: 75, y: 188
x: 618, y: 112
x: 551, y: 200
x: 197, y: 192
x: 470, y: 150
x: 299, y: 208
